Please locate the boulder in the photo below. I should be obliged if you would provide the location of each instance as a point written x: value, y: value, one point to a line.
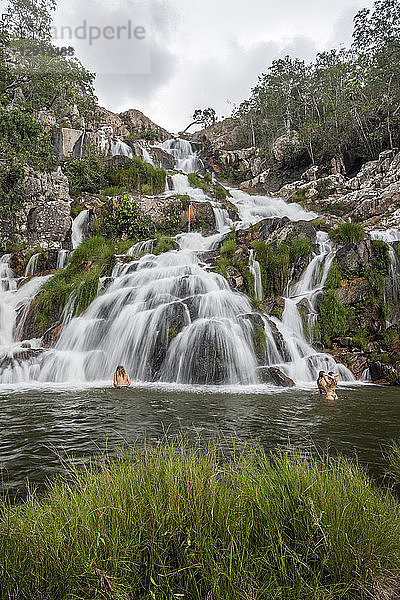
x: 354, y: 291
x: 354, y: 259
x: 285, y: 145
x: 274, y: 376
x: 68, y: 143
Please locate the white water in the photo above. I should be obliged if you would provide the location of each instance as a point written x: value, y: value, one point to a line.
x: 168, y: 318
x: 391, y: 236
x: 62, y: 256
x: 119, y: 148
x: 255, y: 270
x: 32, y: 265
x: 79, y: 228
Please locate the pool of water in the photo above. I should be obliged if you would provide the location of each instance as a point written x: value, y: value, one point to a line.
x: 40, y: 427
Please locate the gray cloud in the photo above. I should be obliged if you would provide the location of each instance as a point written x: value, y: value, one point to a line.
x: 210, y: 53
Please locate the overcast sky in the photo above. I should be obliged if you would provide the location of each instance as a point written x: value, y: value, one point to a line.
x: 188, y: 54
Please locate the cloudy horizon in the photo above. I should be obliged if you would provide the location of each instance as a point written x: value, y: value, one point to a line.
x: 198, y: 53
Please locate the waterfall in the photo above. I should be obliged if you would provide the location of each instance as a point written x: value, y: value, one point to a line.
x: 169, y: 318
x: 62, y: 256
x: 79, y: 228
x: 391, y: 237
x: 146, y: 156
x: 32, y: 265
x: 119, y: 148
x: 185, y: 159
x: 141, y: 248
x: 255, y: 270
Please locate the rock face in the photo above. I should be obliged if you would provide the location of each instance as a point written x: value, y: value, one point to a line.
x: 371, y: 197
x: 44, y: 219
x: 130, y: 122
x: 68, y: 143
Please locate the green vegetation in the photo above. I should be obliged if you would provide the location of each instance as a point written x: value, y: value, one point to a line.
x: 335, y: 276
x: 164, y: 244
x: 23, y: 143
x: 136, y: 175
x: 205, y: 183
x: 93, y: 259
x: 394, y: 462
x: 260, y: 340
x: 349, y: 233
x: 361, y: 339
x: 86, y: 174
x: 176, y: 522
x: 333, y: 317
x: 121, y: 216
x: 275, y: 262
x: 343, y: 103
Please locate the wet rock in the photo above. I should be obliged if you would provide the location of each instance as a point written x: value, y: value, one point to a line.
x: 356, y: 258
x: 354, y: 291
x: 275, y: 377
x: 174, y: 319
x: 51, y: 336
x: 261, y: 231
x: 18, y: 357
x: 292, y: 230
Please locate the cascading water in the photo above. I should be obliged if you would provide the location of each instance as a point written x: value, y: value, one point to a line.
x: 255, y: 270
x: 62, y: 256
x: 79, y: 228
x: 119, y: 148
x: 391, y: 237
x: 185, y: 159
x: 32, y: 265
x: 169, y: 318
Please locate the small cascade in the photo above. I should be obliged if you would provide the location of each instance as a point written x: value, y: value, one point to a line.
x: 314, y: 277
x: 120, y: 148
x: 391, y: 237
x: 62, y: 256
x: 185, y: 159
x: 141, y: 248
x: 255, y: 270
x: 31, y: 267
x: 79, y: 228
x: 146, y: 156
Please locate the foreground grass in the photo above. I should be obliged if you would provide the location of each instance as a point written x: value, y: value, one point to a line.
x: 176, y: 522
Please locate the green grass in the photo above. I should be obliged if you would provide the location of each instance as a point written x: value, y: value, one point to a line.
x: 164, y: 244
x: 333, y: 317
x: 349, y: 233
x: 335, y: 276
x: 178, y: 522
x: 90, y: 261
x: 276, y: 260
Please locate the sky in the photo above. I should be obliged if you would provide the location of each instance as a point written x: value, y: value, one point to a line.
x: 170, y: 57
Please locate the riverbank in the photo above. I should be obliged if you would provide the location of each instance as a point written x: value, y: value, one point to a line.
x: 179, y: 522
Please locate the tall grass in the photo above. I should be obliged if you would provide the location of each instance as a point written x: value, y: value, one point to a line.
x: 176, y: 522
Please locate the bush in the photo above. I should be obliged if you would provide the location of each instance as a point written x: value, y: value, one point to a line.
x: 164, y: 244
x: 121, y: 216
x: 333, y: 317
x: 220, y: 193
x: 175, y: 522
x: 86, y: 174
x: 135, y: 174
x: 349, y: 233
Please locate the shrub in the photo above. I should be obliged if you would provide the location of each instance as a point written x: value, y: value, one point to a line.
x: 220, y: 193
x: 175, y: 522
x: 361, y: 339
x: 137, y: 175
x: 333, y: 317
x: 121, y: 216
x: 349, y: 233
x: 86, y: 174
x: 275, y: 262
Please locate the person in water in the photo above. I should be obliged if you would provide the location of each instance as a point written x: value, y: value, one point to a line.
x: 121, y: 378
x: 327, y: 384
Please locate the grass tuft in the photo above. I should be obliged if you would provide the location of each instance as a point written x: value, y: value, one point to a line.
x: 178, y: 522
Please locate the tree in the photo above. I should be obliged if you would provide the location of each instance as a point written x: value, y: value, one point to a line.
x: 205, y: 117
x: 29, y: 19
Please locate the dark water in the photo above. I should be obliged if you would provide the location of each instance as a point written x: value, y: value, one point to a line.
x: 40, y: 427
